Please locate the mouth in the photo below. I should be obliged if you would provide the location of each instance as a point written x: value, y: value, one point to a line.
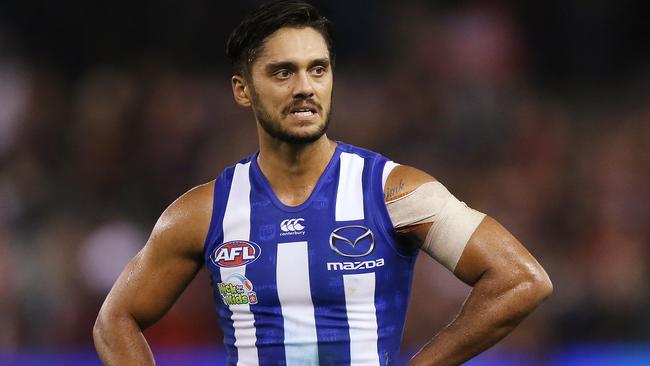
x: 303, y: 112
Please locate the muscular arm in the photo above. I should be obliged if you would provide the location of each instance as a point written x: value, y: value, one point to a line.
x: 153, y: 280
x: 508, y: 283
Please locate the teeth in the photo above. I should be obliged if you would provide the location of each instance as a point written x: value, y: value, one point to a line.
x: 303, y: 113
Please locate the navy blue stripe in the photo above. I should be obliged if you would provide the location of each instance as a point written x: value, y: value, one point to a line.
x: 269, y: 324
x: 391, y: 309
x: 215, y: 238
x: 332, y: 326
x: 331, y: 317
x: 371, y: 167
x: 219, y: 201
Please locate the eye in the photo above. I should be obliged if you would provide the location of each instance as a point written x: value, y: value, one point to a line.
x: 282, y: 74
x: 318, y: 71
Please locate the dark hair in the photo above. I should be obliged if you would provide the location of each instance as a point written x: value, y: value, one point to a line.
x: 247, y: 38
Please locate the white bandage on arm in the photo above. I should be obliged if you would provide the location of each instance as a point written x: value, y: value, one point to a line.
x: 453, y: 223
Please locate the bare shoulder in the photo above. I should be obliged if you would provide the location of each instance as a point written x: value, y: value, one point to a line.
x: 183, y: 226
x: 403, y: 180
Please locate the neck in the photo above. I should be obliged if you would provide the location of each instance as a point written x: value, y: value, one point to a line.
x: 293, y: 169
x: 295, y: 160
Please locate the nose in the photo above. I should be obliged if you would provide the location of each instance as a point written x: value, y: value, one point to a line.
x: 303, y: 87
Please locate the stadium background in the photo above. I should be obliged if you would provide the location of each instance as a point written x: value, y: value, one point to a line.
x: 536, y: 113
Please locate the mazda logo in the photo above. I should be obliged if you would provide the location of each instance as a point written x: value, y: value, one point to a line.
x: 352, y: 241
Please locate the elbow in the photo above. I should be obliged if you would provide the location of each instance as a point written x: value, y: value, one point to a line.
x: 543, y: 288
x: 113, y: 323
x: 537, y: 285
x: 107, y: 324
x: 100, y: 328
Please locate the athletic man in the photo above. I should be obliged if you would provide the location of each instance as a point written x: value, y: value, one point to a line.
x: 310, y: 243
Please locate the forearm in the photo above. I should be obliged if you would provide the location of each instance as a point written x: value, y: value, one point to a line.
x: 492, y: 310
x: 119, y: 341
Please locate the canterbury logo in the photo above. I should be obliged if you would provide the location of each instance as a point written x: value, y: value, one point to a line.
x: 292, y: 225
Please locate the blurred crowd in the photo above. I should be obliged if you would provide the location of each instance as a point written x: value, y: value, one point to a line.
x: 90, y: 158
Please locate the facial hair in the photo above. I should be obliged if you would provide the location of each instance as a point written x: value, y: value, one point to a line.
x: 274, y: 128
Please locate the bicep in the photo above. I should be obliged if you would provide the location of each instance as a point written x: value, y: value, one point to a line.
x: 430, y: 216
x: 152, y: 281
x: 467, y: 242
x: 491, y: 248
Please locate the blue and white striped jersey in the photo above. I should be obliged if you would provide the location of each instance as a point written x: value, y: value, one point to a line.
x: 324, y: 282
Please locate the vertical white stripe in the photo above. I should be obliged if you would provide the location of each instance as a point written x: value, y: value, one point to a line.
x: 388, y: 167
x: 236, y: 220
x: 349, y: 198
x: 294, y: 292
x: 362, y: 318
x: 236, y: 226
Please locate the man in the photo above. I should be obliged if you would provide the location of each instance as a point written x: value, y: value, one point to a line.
x: 310, y: 243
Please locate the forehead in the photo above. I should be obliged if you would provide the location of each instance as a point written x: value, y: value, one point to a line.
x: 293, y: 45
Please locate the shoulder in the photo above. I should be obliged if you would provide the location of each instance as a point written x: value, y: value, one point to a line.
x: 185, y: 222
x: 374, y: 160
x: 404, y: 179
x: 360, y: 151
x: 401, y: 180
x: 193, y: 204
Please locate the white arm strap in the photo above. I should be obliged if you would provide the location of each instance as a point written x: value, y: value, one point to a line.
x: 453, y: 223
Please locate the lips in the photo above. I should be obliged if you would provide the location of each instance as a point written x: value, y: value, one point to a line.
x: 303, y: 113
x: 302, y: 108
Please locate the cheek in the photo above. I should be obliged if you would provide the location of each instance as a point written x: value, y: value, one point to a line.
x: 325, y: 88
x: 279, y: 93
x: 271, y: 98
x: 326, y: 97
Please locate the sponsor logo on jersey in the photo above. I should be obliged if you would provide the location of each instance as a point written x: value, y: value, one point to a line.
x: 235, y: 253
x: 352, y: 241
x: 292, y: 227
x: 237, y: 290
x: 350, y: 266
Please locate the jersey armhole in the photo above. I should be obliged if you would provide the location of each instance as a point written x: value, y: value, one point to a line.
x: 219, y: 198
x: 382, y: 218
x: 388, y: 168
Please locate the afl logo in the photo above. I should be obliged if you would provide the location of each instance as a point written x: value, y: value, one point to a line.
x: 235, y: 253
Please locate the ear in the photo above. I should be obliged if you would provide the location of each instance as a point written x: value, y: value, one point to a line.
x: 240, y: 91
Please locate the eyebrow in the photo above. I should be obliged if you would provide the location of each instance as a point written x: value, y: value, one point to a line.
x: 292, y: 66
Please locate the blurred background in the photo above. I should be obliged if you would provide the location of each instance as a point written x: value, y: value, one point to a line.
x: 537, y: 113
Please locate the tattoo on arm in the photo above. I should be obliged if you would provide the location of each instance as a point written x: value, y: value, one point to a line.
x: 394, y: 191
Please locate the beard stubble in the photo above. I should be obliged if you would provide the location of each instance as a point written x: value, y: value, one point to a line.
x: 274, y: 127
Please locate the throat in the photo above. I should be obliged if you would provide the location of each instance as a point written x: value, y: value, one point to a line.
x: 294, y: 196
x: 293, y: 178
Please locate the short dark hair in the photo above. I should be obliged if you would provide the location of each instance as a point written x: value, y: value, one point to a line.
x: 247, y: 38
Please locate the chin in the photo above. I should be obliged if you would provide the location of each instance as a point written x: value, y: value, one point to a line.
x: 302, y: 138
x: 295, y: 132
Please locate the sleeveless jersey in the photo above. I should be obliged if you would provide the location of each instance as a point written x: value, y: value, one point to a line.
x: 322, y: 283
